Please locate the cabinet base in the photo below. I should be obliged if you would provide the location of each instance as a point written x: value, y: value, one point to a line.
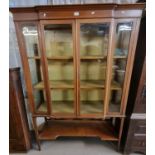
x: 77, y: 128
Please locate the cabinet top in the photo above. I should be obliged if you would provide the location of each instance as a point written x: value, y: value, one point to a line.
x: 78, y: 7
x: 78, y: 11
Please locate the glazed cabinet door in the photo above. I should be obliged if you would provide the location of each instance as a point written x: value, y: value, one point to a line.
x: 58, y: 45
x: 124, y: 38
x: 33, y: 65
x: 93, y: 41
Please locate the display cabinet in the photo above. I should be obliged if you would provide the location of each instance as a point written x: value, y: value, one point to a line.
x: 77, y: 62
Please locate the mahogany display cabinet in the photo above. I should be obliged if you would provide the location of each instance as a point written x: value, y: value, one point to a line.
x: 77, y: 62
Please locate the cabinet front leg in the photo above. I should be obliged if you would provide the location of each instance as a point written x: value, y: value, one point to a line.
x: 36, y: 132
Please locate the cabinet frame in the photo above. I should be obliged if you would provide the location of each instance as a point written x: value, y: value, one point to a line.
x: 76, y: 64
x: 92, y: 13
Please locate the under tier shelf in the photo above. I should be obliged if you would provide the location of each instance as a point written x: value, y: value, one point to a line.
x: 84, y: 84
x: 77, y: 128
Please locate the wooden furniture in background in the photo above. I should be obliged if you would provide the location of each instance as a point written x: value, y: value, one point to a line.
x: 77, y: 62
x: 134, y: 134
x: 19, y: 136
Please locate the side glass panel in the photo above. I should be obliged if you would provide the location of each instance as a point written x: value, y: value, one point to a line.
x: 123, y: 34
x: 30, y: 34
x: 59, y: 54
x: 94, y: 38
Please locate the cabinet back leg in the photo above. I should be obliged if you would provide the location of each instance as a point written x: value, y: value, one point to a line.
x: 120, y: 133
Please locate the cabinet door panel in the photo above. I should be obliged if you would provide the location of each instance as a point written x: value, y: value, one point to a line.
x: 58, y: 47
x: 93, y: 44
x: 122, y: 38
x: 34, y: 57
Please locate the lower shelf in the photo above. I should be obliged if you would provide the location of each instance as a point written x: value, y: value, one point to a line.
x: 77, y: 128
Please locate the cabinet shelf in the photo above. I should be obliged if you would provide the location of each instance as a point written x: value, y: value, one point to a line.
x: 91, y: 107
x: 87, y: 107
x: 59, y: 107
x: 120, y: 57
x: 53, y: 58
x: 35, y: 57
x: 82, y: 57
x: 55, y: 84
x: 76, y: 128
x: 60, y: 58
x: 102, y: 57
x: 93, y: 57
x: 84, y: 84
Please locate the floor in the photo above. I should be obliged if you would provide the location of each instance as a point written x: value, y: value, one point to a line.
x: 75, y: 146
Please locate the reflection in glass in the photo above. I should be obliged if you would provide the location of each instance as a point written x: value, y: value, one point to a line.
x: 123, y: 34
x: 94, y: 39
x: 31, y: 40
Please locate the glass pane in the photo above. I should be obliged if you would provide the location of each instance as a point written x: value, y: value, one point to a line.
x: 94, y: 38
x: 123, y: 34
x: 30, y: 34
x: 59, y: 53
x: 40, y: 101
x: 115, y: 99
x: 63, y: 101
x: 58, y: 40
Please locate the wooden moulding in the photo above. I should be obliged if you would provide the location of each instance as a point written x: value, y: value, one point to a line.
x: 85, y: 11
x: 77, y: 128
